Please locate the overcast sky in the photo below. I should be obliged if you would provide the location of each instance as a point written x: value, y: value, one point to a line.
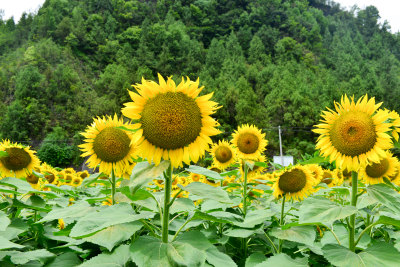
x: 388, y: 9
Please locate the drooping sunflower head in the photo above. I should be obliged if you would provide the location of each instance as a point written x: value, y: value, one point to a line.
x: 173, y: 121
x: 109, y: 146
x: 257, y: 168
x: 374, y: 173
x: 354, y: 134
x: 223, y: 154
x: 295, y: 183
x: 316, y: 171
x: 249, y: 142
x: 19, y: 162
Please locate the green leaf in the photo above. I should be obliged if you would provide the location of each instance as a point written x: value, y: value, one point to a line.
x: 204, y: 171
x: 284, y: 260
x: 75, y: 211
x: 140, y: 194
x: 113, y: 235
x: 219, y: 216
x: 379, y: 254
x: 21, y: 205
x: 205, y: 191
x: 4, y: 221
x: 18, y: 257
x: 255, y: 259
x: 182, y: 204
x: 322, y: 210
x: 18, y: 184
x: 218, y: 259
x: 196, y: 239
x: 239, y: 232
x: 254, y: 217
x: 17, y: 226
x: 143, y: 173
x: 69, y: 259
x: 301, y: 234
x: 91, y: 179
x: 386, y: 196
x: 5, y: 244
x: 3, y: 154
x: 388, y: 221
x: 150, y: 251
x: 108, y: 216
x: 119, y: 257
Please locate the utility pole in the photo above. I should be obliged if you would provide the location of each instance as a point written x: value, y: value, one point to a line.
x: 280, y: 144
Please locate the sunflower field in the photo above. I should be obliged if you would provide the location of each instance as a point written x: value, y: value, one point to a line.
x: 161, y: 192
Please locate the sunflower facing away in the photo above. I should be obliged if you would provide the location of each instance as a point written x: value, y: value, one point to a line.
x: 249, y: 142
x: 354, y: 134
x: 19, y: 162
x: 108, y: 146
x: 173, y: 121
x: 223, y: 155
x: 295, y: 183
x: 375, y: 172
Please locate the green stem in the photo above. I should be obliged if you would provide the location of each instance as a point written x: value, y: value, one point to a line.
x: 246, y: 170
x: 112, y: 185
x: 352, y: 223
x: 167, y: 197
x: 272, y: 243
x: 364, y: 231
x: 180, y: 228
x: 282, y: 222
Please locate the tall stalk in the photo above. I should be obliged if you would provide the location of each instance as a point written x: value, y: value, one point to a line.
x: 246, y: 171
x: 282, y: 222
x: 167, y: 197
x: 112, y: 186
x: 352, y: 228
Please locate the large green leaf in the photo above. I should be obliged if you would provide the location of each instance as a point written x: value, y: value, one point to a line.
x: 385, y: 195
x: 220, y: 217
x: 18, y: 257
x: 218, y: 259
x: 255, y: 217
x: 150, y: 251
x: 205, y: 191
x: 239, y: 232
x: 91, y: 179
x: 5, y: 244
x: 112, y: 235
x: 4, y: 221
x: 34, y: 206
x: 16, y: 227
x: 108, y: 216
x: 75, y: 211
x: 204, y: 171
x: 119, y: 257
x: 68, y: 259
x: 18, y: 184
x: 195, y: 239
x: 182, y: 204
x: 284, y: 260
x: 143, y: 173
x: 379, y: 254
x: 321, y: 210
x: 301, y: 234
x: 255, y: 259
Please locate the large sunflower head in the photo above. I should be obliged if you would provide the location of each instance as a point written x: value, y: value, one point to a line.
x: 249, y: 142
x: 19, y: 162
x: 173, y: 121
x: 108, y: 146
x: 295, y: 183
x: 354, y: 134
x: 223, y: 154
x: 374, y: 172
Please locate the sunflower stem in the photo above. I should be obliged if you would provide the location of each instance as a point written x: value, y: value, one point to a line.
x: 282, y: 222
x: 352, y: 228
x: 167, y: 197
x: 246, y: 170
x: 112, y: 186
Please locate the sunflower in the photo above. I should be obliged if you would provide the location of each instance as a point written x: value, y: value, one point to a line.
x: 195, y: 177
x: 76, y: 181
x: 330, y: 178
x: 108, y: 146
x: 20, y: 160
x: 83, y: 174
x: 316, y: 171
x: 375, y: 172
x: 256, y: 169
x: 295, y: 183
x: 249, y: 142
x: 354, y: 134
x: 173, y: 122
x: 223, y: 154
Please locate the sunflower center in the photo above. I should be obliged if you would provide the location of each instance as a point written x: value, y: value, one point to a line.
x: 196, y: 177
x: 292, y: 181
x: 223, y: 154
x: 171, y: 120
x: 33, y: 179
x: 327, y: 178
x: 111, y: 144
x: 248, y: 143
x: 353, y: 133
x: 50, y: 177
x: 377, y: 170
x: 17, y: 159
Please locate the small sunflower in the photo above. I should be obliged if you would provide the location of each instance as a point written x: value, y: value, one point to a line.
x: 195, y: 177
x: 375, y: 172
x: 249, y: 142
x: 173, y: 122
x: 19, y: 162
x: 256, y: 169
x: 295, y: 183
x: 223, y: 154
x: 83, y: 174
x: 329, y: 178
x: 108, y: 146
x: 354, y: 134
x: 316, y: 171
x: 76, y: 181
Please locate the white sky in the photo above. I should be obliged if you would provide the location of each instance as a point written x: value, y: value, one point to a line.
x: 388, y: 9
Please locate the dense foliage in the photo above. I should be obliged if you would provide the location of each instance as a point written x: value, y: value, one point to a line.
x: 269, y: 62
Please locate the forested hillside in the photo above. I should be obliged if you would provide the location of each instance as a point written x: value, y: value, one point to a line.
x: 269, y: 62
